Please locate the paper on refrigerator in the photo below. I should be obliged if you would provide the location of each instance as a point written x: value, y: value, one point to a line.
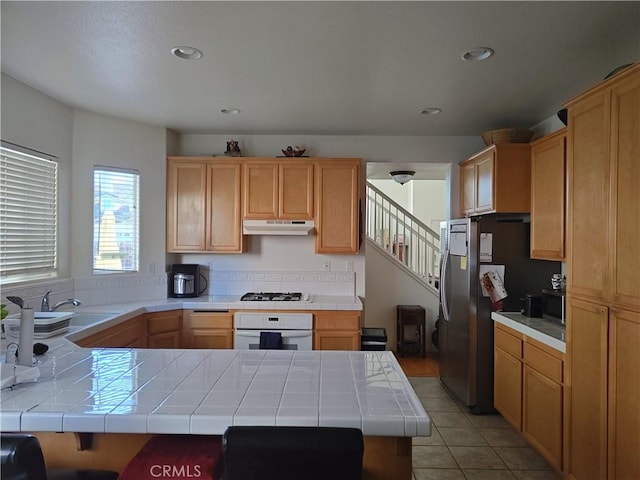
x: 492, y: 282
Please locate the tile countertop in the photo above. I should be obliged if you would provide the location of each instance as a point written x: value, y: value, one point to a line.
x: 550, y: 332
x: 205, y: 391
x: 105, y: 316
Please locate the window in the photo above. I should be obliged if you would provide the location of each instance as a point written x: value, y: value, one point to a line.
x: 115, y: 220
x: 28, y: 214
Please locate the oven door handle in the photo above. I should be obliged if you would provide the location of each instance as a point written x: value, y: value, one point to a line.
x: 283, y: 333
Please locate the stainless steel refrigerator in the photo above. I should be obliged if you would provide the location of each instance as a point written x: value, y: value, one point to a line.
x: 468, y: 247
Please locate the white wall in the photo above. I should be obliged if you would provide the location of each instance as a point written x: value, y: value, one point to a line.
x: 109, y: 141
x: 37, y: 121
x: 80, y: 140
x: 389, y: 286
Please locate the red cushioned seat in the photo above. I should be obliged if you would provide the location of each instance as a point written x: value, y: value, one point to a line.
x: 178, y: 457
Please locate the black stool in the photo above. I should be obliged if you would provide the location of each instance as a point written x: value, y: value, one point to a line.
x: 22, y: 459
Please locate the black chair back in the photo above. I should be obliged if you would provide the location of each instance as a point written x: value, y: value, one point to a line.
x: 21, y: 457
x: 292, y: 453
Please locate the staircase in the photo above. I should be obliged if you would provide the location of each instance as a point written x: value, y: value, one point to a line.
x: 410, y: 243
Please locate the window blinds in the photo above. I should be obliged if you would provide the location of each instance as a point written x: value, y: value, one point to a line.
x: 28, y: 214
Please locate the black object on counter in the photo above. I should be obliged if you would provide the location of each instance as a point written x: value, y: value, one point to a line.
x: 532, y: 305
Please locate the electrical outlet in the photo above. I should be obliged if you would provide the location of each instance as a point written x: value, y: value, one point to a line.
x: 152, y: 267
x: 327, y: 265
x: 349, y: 265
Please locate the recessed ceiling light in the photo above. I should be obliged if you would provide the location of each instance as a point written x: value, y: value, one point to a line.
x: 230, y: 111
x: 477, y: 54
x: 431, y: 111
x: 187, y: 53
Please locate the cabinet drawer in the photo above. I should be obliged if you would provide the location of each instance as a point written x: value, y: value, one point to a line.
x: 338, y: 321
x: 544, y: 362
x: 162, y: 323
x: 211, y: 320
x: 508, y: 342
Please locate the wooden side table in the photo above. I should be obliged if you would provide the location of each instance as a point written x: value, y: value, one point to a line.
x: 413, y: 339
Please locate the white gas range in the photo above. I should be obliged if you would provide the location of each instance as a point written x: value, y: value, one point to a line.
x: 278, y: 331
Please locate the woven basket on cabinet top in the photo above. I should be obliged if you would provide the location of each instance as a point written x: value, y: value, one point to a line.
x: 507, y: 135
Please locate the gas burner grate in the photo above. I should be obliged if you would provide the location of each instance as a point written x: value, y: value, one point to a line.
x: 271, y: 297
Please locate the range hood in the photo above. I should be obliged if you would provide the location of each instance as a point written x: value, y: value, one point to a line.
x: 277, y: 227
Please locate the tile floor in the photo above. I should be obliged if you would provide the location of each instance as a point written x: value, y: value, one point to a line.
x: 472, y: 447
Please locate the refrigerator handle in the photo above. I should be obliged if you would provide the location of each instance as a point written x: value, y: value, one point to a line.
x: 443, y: 283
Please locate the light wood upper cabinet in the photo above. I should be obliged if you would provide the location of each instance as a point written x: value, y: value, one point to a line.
x: 603, y: 147
x: 496, y: 180
x: 203, y: 205
x: 548, y: 196
x: 186, y: 204
x: 337, y: 200
x: 224, y: 225
x: 278, y: 189
x: 624, y: 233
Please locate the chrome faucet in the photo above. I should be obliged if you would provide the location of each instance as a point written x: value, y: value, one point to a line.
x: 44, y: 306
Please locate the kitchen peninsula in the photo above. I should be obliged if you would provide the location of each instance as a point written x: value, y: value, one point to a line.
x: 123, y: 396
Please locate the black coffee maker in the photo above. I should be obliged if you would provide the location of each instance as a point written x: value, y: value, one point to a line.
x: 186, y: 280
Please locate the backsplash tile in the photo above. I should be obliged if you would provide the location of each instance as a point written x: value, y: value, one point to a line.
x: 314, y: 283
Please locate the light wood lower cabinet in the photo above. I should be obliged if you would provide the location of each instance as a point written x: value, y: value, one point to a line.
x: 542, y: 400
x: 165, y: 329
x: 529, y: 391
x: 208, y: 329
x: 335, y: 330
x: 507, y: 381
x: 130, y: 333
x: 624, y: 394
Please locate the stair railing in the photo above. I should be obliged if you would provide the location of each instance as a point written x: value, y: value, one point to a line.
x: 402, y: 236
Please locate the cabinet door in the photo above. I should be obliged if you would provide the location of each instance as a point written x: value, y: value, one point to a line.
x: 129, y: 334
x: 507, y: 387
x: 468, y: 188
x: 336, y: 340
x: 336, y: 330
x: 625, y: 171
x: 624, y: 394
x: 542, y: 415
x: 548, y: 197
x: 211, y: 338
x: 588, y: 175
x: 295, y: 199
x: 186, y: 205
x: 337, y: 217
x: 485, y: 182
x: 260, y: 190
x: 224, y: 223
x: 208, y: 329
x: 586, y: 388
x: 164, y: 329
x: 164, y: 340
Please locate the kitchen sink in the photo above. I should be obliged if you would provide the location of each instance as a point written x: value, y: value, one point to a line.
x: 84, y: 319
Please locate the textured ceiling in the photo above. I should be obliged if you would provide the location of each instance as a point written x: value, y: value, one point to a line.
x: 318, y: 67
